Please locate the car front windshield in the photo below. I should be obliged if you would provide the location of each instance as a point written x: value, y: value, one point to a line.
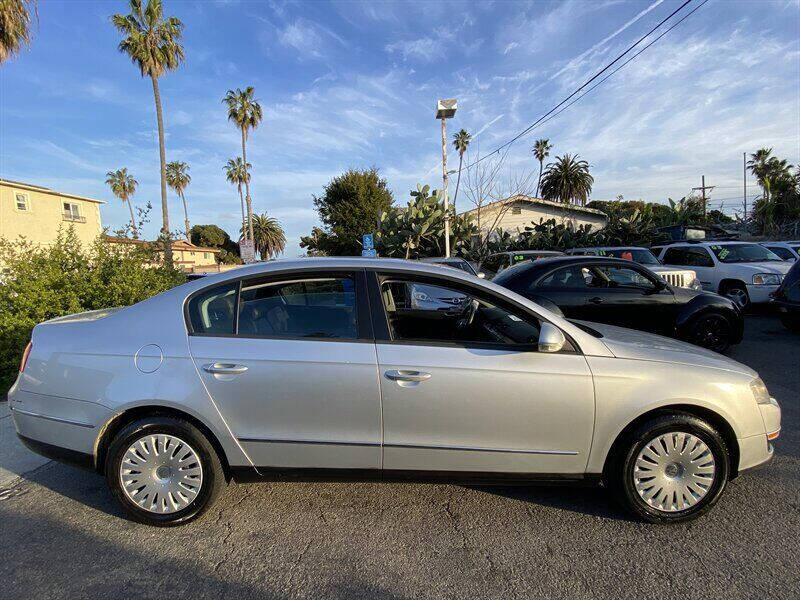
x: 639, y: 255
x: 741, y: 253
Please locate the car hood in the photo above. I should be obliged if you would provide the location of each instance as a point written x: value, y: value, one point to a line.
x: 781, y: 268
x: 638, y: 345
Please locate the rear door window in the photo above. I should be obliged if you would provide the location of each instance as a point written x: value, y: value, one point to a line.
x: 211, y: 312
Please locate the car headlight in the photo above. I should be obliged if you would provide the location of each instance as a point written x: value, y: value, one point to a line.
x: 766, y: 279
x: 695, y: 284
x: 760, y: 392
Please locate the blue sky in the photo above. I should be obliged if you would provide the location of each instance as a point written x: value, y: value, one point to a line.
x: 354, y: 84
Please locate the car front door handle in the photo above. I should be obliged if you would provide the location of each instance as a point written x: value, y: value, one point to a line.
x: 224, y: 369
x: 415, y: 376
x: 596, y: 300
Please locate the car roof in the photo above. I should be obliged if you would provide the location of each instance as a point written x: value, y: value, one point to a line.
x: 612, y: 248
x: 557, y: 262
x: 442, y: 259
x: 553, y: 252
x: 706, y: 243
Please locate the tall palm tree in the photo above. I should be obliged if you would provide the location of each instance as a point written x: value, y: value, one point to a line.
x: 461, y: 141
x: 541, y: 150
x: 269, y: 237
x: 15, y: 21
x: 237, y: 173
x: 246, y: 113
x: 123, y: 186
x: 567, y: 180
x: 152, y: 43
x: 178, y: 179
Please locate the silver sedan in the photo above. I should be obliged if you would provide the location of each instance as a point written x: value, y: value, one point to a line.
x: 329, y: 367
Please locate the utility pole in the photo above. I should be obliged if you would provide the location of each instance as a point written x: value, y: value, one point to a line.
x: 445, y: 109
x: 744, y: 184
x: 703, y: 188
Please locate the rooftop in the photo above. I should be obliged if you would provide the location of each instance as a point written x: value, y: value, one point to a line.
x: 541, y: 202
x: 176, y: 245
x: 43, y: 190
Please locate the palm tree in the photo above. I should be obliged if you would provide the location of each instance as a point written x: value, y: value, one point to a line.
x: 237, y: 173
x: 245, y: 112
x: 152, y: 43
x: 567, y: 180
x: 123, y: 186
x: 179, y: 179
x: 15, y: 23
x: 269, y: 237
x: 461, y: 141
x: 541, y: 150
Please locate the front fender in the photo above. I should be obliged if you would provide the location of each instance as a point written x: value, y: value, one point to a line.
x: 706, y: 303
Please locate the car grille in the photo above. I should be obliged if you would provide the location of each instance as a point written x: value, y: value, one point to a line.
x: 675, y: 279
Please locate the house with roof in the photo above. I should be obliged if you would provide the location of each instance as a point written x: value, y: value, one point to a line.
x: 36, y: 213
x: 185, y: 255
x: 515, y: 213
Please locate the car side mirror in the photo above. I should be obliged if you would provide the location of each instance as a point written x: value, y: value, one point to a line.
x: 551, y: 338
x: 482, y: 275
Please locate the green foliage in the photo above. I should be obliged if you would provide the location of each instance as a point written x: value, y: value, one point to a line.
x: 40, y: 283
x: 269, y: 237
x: 417, y: 230
x: 777, y: 212
x: 15, y: 26
x: 213, y: 236
x: 567, y: 180
x: 351, y: 206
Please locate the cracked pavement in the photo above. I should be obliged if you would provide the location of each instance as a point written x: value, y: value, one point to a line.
x: 66, y: 538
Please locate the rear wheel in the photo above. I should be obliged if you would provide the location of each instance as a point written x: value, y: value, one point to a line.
x: 164, y: 471
x: 791, y: 321
x: 711, y: 330
x: 670, y: 469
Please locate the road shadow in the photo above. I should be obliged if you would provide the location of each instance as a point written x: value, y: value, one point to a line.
x: 593, y: 501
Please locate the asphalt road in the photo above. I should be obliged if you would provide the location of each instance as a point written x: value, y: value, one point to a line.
x: 63, y: 537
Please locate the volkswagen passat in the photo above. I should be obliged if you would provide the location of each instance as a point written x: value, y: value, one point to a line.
x: 325, y: 367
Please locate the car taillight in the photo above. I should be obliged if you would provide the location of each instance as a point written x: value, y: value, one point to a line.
x: 25, y: 356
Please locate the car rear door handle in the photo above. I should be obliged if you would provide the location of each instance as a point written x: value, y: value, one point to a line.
x: 415, y: 376
x: 224, y: 369
x: 596, y: 300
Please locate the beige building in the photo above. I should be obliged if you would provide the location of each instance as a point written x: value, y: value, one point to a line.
x: 191, y: 258
x: 36, y: 213
x: 517, y: 212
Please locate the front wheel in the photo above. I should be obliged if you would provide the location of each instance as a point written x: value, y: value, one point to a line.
x: 164, y: 471
x: 672, y: 468
x: 737, y: 293
x: 791, y: 321
x: 711, y: 330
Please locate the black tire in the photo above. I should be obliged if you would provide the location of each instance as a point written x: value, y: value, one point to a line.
x: 213, y: 480
x: 620, y: 472
x: 791, y: 321
x: 736, y: 292
x: 712, y: 330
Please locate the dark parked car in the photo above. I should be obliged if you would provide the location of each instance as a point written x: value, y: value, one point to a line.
x: 620, y: 292
x: 787, y: 298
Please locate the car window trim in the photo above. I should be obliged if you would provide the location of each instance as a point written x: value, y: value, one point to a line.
x: 382, y: 330
x: 363, y: 319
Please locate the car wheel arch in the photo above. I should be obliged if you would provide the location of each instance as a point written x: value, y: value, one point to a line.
x: 711, y: 417
x: 134, y: 413
x: 726, y: 284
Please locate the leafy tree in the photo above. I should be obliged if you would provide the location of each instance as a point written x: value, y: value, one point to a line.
x: 43, y: 282
x: 178, y: 179
x: 270, y: 239
x: 213, y: 236
x: 351, y: 206
x: 123, y: 186
x: 567, y: 180
x: 541, y: 150
x: 153, y: 44
x: 417, y: 230
x: 15, y: 23
x: 245, y: 112
x: 720, y: 218
x: 461, y: 142
x: 237, y: 173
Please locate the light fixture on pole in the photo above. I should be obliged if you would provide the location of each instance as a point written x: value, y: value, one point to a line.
x: 445, y: 109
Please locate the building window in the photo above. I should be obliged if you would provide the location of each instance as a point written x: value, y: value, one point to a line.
x: 516, y: 210
x: 22, y: 201
x: 72, y: 212
x: 206, y: 255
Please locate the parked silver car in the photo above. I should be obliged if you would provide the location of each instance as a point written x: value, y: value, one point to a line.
x: 320, y: 367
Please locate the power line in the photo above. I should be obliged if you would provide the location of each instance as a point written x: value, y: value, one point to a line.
x: 590, y: 80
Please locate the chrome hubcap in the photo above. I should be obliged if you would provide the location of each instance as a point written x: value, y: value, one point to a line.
x: 738, y: 295
x: 674, y: 471
x: 161, y: 473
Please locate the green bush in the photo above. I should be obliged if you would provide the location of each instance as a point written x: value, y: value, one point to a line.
x: 40, y: 282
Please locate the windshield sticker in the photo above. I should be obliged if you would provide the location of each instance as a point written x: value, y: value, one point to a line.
x: 723, y: 252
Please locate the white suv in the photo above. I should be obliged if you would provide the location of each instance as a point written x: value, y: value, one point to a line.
x: 744, y: 272
x: 685, y: 278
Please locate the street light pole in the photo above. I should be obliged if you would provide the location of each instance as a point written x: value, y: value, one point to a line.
x: 445, y: 109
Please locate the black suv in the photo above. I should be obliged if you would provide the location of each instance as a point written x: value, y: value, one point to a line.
x: 787, y: 298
